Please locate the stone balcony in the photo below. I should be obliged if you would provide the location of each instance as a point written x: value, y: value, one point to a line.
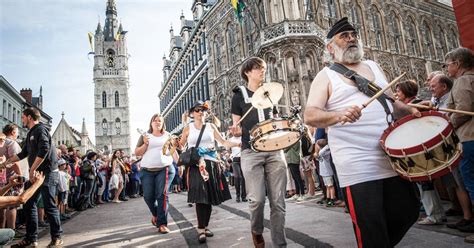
x: 290, y: 29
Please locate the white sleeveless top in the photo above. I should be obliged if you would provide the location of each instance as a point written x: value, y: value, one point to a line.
x: 235, y: 149
x: 207, y: 139
x: 355, y: 147
x: 153, y: 157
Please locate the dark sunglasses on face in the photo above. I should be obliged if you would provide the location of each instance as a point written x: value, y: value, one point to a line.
x: 199, y: 110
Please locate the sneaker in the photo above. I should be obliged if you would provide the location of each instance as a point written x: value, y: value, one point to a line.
x: 469, y: 239
x: 330, y: 203
x: 301, y: 198
x: 190, y: 205
x: 56, y: 243
x: 468, y: 228
x: 293, y: 198
x: 208, y: 233
x: 310, y: 197
x: 25, y: 243
x: 238, y: 199
x: 42, y: 224
x: 427, y: 221
x: 244, y: 199
x: 460, y: 223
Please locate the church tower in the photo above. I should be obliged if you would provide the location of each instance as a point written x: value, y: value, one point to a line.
x: 112, y: 118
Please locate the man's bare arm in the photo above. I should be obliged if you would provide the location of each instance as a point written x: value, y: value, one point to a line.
x: 315, y: 115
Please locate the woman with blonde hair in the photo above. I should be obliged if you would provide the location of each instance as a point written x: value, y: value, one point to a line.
x: 157, y: 171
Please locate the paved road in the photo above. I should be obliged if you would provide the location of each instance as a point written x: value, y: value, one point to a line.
x: 308, y: 225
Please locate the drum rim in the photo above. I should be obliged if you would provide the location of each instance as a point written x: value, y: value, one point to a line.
x: 259, y: 124
x: 418, y: 148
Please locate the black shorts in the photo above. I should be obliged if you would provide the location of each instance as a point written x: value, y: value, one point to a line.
x: 382, y: 211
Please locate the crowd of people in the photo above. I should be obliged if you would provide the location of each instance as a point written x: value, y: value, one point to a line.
x: 346, y: 160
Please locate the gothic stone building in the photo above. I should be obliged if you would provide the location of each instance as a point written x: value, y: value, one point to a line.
x: 70, y: 137
x: 112, y: 124
x: 402, y: 36
x: 185, y: 71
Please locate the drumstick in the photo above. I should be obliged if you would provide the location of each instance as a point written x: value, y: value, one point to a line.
x: 382, y: 91
x: 245, y: 115
x: 441, y: 109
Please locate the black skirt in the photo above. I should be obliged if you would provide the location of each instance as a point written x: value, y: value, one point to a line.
x: 214, y: 191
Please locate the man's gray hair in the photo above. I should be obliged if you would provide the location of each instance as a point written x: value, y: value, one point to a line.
x: 464, y: 56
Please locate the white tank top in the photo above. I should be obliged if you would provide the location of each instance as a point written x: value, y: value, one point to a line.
x: 355, y: 147
x: 236, y: 149
x: 153, y: 157
x: 207, y: 139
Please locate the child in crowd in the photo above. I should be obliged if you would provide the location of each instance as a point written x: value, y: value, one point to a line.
x: 63, y: 187
x: 326, y: 172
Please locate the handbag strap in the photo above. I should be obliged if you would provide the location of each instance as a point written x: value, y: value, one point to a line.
x: 364, y: 86
x: 200, y: 135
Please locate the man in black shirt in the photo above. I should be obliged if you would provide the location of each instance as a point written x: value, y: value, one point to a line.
x: 263, y: 171
x: 42, y: 158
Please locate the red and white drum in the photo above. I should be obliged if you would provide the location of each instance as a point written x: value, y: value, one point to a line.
x: 422, y: 149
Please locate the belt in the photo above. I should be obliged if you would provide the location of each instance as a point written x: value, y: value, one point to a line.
x: 152, y: 169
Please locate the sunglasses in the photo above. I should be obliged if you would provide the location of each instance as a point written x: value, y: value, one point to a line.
x: 199, y: 110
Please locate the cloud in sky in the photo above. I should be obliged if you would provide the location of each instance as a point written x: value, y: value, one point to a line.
x: 44, y: 42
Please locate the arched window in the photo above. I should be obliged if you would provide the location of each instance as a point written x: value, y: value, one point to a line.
x: 377, y: 28
x: 441, y: 43
x: 105, y: 127
x: 396, y: 34
x: 118, y: 126
x: 412, y: 38
x: 230, y: 44
x: 217, y: 55
x: 104, y: 99
x: 110, y: 58
x: 428, y: 46
x: 117, y: 99
x: 357, y: 20
x: 453, y: 39
x: 332, y: 11
x: 248, y: 35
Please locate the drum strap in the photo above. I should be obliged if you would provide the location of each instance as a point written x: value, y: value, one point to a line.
x: 365, y: 86
x: 247, y: 99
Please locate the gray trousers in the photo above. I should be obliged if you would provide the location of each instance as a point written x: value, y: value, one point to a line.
x: 432, y: 204
x: 265, y: 172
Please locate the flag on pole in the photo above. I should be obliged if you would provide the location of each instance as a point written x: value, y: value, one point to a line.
x: 91, y: 41
x: 238, y: 6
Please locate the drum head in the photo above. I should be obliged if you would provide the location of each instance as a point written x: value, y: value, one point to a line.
x: 276, y: 140
x: 415, y: 132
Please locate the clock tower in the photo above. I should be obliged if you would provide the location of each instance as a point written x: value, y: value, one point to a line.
x: 111, y: 83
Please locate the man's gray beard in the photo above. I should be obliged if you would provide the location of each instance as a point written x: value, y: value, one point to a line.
x: 349, y: 56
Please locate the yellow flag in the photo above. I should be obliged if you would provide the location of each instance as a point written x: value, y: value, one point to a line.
x: 91, y: 36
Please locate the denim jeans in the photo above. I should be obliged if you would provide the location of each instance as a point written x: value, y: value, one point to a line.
x: 6, y: 235
x: 155, y: 192
x: 89, y: 191
x: 467, y: 167
x: 48, y: 192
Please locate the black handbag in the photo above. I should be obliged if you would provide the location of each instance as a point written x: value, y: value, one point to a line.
x: 191, y: 155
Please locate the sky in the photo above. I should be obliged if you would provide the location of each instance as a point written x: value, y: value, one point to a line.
x: 44, y: 43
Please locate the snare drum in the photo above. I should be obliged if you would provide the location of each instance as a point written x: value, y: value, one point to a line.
x: 422, y: 149
x: 275, y: 134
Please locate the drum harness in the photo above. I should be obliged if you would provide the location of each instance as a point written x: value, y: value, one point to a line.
x: 365, y: 86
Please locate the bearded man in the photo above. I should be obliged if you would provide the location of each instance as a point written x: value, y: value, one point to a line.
x: 382, y: 205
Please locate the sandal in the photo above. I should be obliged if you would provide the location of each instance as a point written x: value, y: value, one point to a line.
x: 153, y: 221
x: 208, y: 233
x: 163, y: 229
x: 202, y: 237
x: 26, y: 243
